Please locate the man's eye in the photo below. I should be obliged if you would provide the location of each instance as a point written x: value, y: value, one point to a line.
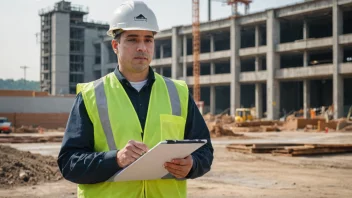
x: 149, y: 40
x: 131, y: 40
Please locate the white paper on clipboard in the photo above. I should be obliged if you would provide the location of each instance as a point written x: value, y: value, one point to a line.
x: 150, y: 165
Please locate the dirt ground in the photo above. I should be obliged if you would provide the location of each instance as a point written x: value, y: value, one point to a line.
x: 244, y: 175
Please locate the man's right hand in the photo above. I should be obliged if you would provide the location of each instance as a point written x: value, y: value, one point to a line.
x: 130, y: 153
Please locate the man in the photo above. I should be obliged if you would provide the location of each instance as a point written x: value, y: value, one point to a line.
x: 117, y: 118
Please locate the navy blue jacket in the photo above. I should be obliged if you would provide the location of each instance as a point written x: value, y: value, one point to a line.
x: 79, y: 163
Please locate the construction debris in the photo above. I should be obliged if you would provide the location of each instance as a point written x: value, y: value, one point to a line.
x: 287, y: 149
x: 30, y: 139
x: 20, y: 168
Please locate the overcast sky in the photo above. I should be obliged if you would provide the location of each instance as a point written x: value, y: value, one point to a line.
x: 20, y: 22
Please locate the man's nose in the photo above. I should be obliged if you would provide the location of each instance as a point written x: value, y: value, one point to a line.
x: 141, y: 47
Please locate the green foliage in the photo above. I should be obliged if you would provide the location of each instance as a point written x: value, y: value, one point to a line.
x: 19, y: 85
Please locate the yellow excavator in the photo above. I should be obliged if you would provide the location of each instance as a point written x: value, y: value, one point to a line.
x: 243, y: 115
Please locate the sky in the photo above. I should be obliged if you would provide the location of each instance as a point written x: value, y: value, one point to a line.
x: 19, y: 22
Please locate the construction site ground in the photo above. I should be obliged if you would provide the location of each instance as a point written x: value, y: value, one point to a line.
x: 239, y: 175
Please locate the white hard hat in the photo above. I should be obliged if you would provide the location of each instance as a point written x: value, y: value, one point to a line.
x: 133, y: 15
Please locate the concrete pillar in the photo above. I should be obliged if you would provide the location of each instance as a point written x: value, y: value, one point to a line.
x: 161, y: 71
x: 273, y: 62
x: 161, y: 51
x: 258, y: 100
x: 104, y: 57
x: 305, y: 36
x: 305, y: 58
x: 235, y: 88
x: 257, y: 36
x: 337, y: 59
x: 212, y: 43
x: 258, y: 64
x: 212, y: 100
x: 184, y: 57
x: 305, y: 30
x: 176, y: 69
x: 212, y: 68
x: 306, y: 98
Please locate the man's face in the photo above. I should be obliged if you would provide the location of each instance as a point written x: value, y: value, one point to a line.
x: 135, y: 50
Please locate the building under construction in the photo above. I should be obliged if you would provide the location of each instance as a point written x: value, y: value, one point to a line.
x: 67, y: 54
x: 278, y: 60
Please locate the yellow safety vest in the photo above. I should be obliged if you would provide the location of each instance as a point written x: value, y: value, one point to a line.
x: 116, y: 122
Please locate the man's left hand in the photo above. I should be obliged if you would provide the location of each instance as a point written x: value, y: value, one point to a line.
x: 180, y: 167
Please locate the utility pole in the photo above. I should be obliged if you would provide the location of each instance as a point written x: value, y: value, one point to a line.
x: 24, y: 72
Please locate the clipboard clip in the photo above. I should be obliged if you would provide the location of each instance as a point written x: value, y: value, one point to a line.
x: 186, y: 141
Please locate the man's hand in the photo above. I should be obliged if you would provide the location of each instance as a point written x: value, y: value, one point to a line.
x: 130, y: 153
x: 180, y: 167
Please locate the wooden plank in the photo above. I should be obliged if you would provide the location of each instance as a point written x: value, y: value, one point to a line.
x: 279, y: 145
x: 320, y: 151
x: 262, y: 150
x: 330, y: 145
x: 239, y: 146
x: 297, y: 148
x: 239, y: 150
x: 282, y: 154
x: 280, y: 151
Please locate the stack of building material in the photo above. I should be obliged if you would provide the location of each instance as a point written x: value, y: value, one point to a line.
x: 287, y: 149
x: 257, y: 148
x: 313, y: 149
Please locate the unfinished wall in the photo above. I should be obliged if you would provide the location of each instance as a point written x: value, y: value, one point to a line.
x: 36, y: 104
x: 23, y: 93
x: 46, y: 120
x: 247, y: 95
x: 291, y: 96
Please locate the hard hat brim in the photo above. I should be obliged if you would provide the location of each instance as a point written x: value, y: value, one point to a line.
x: 111, y: 32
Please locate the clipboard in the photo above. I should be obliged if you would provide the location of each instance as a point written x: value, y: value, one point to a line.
x: 150, y: 165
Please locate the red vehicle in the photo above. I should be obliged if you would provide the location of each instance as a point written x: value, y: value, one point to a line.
x: 5, y: 125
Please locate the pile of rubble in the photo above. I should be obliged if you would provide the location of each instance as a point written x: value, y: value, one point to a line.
x: 317, y: 124
x: 225, y: 125
x: 20, y: 168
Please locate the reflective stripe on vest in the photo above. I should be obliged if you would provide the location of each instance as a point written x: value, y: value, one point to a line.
x: 100, y: 97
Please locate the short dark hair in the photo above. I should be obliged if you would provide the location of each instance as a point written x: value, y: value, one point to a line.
x: 117, y: 37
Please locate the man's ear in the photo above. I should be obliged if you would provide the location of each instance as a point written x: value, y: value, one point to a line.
x: 114, y: 45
